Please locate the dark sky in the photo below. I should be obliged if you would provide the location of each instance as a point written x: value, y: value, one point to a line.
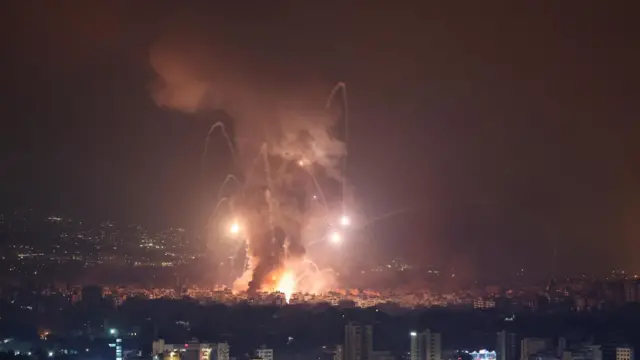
x: 503, y: 126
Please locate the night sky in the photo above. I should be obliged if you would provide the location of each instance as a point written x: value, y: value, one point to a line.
x: 503, y: 128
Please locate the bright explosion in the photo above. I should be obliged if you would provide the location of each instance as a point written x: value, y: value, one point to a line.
x: 289, y: 156
x: 287, y: 285
x: 234, y: 228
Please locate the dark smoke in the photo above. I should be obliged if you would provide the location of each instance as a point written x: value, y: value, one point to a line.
x: 270, y: 251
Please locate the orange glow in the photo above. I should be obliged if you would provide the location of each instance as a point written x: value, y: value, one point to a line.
x: 287, y: 285
x: 234, y: 228
x: 281, y: 280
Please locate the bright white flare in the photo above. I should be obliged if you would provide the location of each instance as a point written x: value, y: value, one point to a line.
x: 234, y: 228
x: 287, y: 285
x: 335, y: 237
x: 345, y: 220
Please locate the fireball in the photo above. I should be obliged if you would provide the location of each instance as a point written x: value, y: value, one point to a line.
x: 335, y: 237
x: 287, y: 284
x: 234, y: 228
x: 282, y: 281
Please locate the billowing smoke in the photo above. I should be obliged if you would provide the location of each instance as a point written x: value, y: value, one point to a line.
x: 286, y: 151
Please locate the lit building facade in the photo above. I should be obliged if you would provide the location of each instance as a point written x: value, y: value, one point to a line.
x: 426, y: 345
x: 338, y: 355
x: 222, y: 351
x: 483, y: 355
x: 191, y: 351
x: 119, y: 349
x: 264, y: 353
x: 624, y: 353
x: 358, y: 341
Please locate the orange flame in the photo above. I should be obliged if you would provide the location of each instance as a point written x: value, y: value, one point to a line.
x: 287, y: 284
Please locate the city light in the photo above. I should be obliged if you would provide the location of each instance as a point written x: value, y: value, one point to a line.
x: 345, y: 220
x: 413, y: 333
x: 113, y: 331
x: 335, y: 237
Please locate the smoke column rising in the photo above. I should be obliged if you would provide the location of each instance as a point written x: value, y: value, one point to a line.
x: 290, y: 124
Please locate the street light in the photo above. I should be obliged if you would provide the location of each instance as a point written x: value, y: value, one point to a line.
x: 335, y: 237
x: 345, y: 220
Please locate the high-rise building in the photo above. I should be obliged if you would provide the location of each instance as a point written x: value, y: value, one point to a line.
x: 630, y: 291
x: 157, y: 347
x: 339, y: 354
x: 426, y: 345
x: 222, y: 351
x: 532, y: 346
x: 119, y: 349
x: 562, y: 346
x: 358, y: 341
x: 506, y: 346
x: 264, y: 353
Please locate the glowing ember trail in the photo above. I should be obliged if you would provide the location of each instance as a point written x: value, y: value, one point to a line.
x: 287, y: 285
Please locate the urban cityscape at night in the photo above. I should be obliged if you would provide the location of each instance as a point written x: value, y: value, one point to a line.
x: 319, y: 180
x: 130, y: 261
x: 49, y: 288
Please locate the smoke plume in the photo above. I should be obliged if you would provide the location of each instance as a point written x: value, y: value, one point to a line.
x: 285, y: 148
